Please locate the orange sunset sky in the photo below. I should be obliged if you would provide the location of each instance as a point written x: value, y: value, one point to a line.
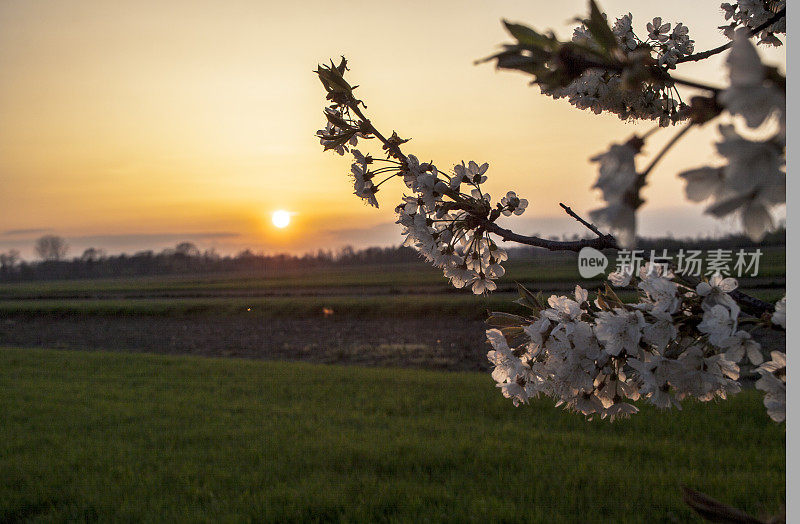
x: 135, y: 125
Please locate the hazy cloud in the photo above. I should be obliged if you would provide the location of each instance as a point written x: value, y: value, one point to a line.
x: 133, y: 238
x: 18, y: 232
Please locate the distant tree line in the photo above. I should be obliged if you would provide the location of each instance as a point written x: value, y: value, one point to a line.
x: 184, y: 258
x: 187, y: 258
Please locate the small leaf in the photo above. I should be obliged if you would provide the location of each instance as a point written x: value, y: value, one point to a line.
x: 525, y: 35
x: 607, y: 299
x: 528, y: 299
x: 332, y: 79
x: 598, y: 27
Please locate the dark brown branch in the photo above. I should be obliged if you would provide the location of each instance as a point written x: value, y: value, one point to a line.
x: 692, y: 83
x: 705, y: 54
x: 751, y: 304
x: 600, y: 243
x: 658, y: 73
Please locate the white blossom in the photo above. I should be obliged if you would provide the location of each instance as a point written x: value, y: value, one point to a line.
x: 620, y: 217
x: 717, y: 291
x: 661, y: 294
x: 620, y: 330
x: 513, y: 204
x: 779, y: 316
x: 622, y: 277
x: 657, y: 30
x: 773, y: 383
x: 616, y: 181
x: 741, y: 344
x: 703, y: 182
x: 598, y: 91
x: 719, y: 323
x: 623, y: 30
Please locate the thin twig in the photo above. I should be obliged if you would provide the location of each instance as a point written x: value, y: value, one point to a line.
x: 666, y: 148
x: 574, y: 215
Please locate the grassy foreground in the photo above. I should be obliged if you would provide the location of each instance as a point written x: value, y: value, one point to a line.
x: 100, y: 436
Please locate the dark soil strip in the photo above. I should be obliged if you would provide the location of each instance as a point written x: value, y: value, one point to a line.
x: 440, y: 343
x: 448, y: 343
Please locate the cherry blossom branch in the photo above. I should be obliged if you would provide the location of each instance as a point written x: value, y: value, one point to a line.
x: 603, y: 241
x: 711, y: 52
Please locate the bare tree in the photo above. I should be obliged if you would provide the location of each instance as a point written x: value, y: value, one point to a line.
x: 8, y: 260
x: 51, y: 247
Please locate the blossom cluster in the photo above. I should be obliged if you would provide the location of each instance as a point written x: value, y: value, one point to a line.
x: 753, y: 179
x: 444, y: 215
x: 598, y: 357
x: 599, y: 90
x: 752, y: 14
x: 447, y: 231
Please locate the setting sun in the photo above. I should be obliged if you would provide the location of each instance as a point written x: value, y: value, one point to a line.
x: 281, y: 218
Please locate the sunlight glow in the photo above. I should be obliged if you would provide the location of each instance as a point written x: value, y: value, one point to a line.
x: 281, y: 218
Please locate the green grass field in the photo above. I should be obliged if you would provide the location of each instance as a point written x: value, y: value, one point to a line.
x: 101, y: 437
